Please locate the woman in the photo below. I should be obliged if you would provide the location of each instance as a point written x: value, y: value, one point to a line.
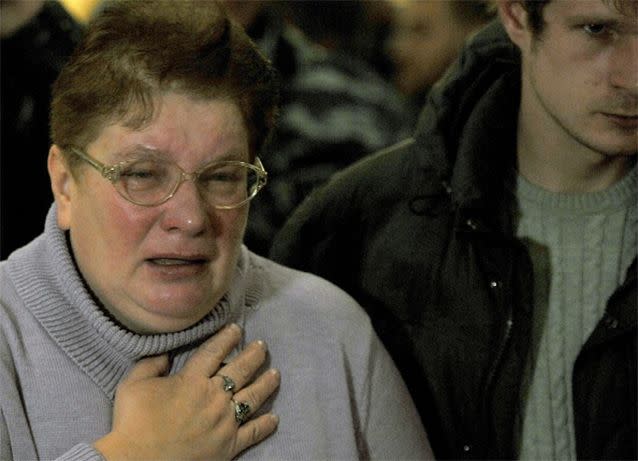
x: 107, y: 317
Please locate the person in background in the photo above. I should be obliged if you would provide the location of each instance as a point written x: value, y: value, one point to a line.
x: 425, y: 38
x: 495, y: 251
x: 37, y: 37
x: 353, y: 28
x: 120, y: 325
x: 335, y: 109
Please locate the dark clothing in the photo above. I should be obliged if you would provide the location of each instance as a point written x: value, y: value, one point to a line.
x: 422, y: 236
x: 31, y: 61
x: 334, y: 110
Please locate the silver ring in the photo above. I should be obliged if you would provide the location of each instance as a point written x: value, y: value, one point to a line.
x: 229, y: 384
x: 242, y: 410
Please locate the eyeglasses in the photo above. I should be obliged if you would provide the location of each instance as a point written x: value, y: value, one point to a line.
x: 224, y: 184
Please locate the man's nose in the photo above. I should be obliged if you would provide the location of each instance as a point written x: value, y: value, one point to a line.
x: 624, y: 64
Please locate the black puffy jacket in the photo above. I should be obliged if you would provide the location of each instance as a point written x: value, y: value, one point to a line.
x: 422, y: 237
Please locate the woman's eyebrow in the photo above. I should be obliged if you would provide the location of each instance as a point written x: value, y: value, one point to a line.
x: 235, y: 155
x: 139, y: 152
x: 145, y: 152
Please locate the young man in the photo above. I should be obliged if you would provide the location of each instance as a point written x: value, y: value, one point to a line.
x: 496, y: 251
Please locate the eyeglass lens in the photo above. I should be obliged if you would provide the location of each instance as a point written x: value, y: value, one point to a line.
x: 222, y: 184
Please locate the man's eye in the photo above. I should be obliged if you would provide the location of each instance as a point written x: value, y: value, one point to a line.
x: 595, y: 30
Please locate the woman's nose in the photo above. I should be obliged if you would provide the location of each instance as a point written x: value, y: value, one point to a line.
x: 186, y: 211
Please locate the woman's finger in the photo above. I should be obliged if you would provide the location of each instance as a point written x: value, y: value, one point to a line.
x: 149, y: 367
x: 254, y: 431
x: 258, y: 392
x: 244, y: 366
x: 210, y: 355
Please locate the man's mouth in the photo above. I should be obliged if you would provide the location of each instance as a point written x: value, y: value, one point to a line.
x: 623, y: 119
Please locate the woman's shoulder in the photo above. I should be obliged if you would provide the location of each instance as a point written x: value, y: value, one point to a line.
x: 297, y: 292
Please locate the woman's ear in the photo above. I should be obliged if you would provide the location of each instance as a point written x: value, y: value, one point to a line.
x: 514, y: 18
x: 62, y: 185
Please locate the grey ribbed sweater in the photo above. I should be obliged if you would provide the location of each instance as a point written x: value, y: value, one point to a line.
x: 61, y: 359
x: 581, y: 246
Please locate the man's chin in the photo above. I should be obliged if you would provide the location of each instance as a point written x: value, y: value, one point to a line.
x: 613, y: 144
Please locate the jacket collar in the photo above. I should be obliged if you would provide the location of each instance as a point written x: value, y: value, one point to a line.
x: 467, y: 129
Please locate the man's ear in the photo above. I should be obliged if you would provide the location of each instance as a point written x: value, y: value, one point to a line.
x: 62, y: 185
x: 514, y: 18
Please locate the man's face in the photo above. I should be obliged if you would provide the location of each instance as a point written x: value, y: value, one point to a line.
x: 426, y: 38
x: 160, y: 268
x: 580, y: 76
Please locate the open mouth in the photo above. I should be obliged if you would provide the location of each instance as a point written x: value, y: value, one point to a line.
x: 175, y: 261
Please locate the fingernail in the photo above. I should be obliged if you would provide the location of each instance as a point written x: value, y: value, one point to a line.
x: 274, y: 372
x: 262, y: 344
x: 275, y: 419
x: 233, y: 327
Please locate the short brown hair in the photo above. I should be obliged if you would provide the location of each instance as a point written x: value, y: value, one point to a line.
x: 535, y: 8
x: 134, y: 51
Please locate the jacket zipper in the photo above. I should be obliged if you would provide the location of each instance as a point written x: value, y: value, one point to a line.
x: 509, y: 323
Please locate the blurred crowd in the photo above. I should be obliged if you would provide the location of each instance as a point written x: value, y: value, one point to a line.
x: 355, y: 74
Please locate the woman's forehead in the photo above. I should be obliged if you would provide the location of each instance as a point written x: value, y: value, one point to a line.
x: 182, y: 126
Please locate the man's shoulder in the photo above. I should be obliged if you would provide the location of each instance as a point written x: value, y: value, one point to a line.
x: 334, y: 226
x: 379, y: 180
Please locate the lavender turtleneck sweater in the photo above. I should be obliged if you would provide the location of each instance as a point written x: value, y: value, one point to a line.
x: 61, y: 359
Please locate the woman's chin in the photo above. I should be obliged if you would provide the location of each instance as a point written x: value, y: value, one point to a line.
x: 163, y: 313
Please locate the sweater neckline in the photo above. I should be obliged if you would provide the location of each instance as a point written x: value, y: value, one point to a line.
x: 59, y: 299
x: 620, y: 195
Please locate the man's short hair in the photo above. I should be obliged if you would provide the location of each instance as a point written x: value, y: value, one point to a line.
x: 134, y: 51
x: 535, y: 9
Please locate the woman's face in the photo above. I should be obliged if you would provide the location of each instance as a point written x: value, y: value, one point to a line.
x: 162, y: 268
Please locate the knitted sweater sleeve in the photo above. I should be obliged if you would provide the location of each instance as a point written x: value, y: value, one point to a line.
x: 390, y: 424
x: 16, y: 441
x: 16, y: 438
x: 81, y: 452
x: 5, y: 449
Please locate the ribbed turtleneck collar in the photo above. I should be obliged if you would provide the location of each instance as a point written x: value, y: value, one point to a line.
x: 55, y: 293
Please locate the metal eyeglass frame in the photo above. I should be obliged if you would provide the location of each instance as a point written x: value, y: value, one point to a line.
x: 112, y: 173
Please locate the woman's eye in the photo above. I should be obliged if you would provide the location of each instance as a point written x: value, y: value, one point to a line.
x: 137, y: 174
x: 144, y: 170
x: 223, y: 177
x: 229, y: 175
